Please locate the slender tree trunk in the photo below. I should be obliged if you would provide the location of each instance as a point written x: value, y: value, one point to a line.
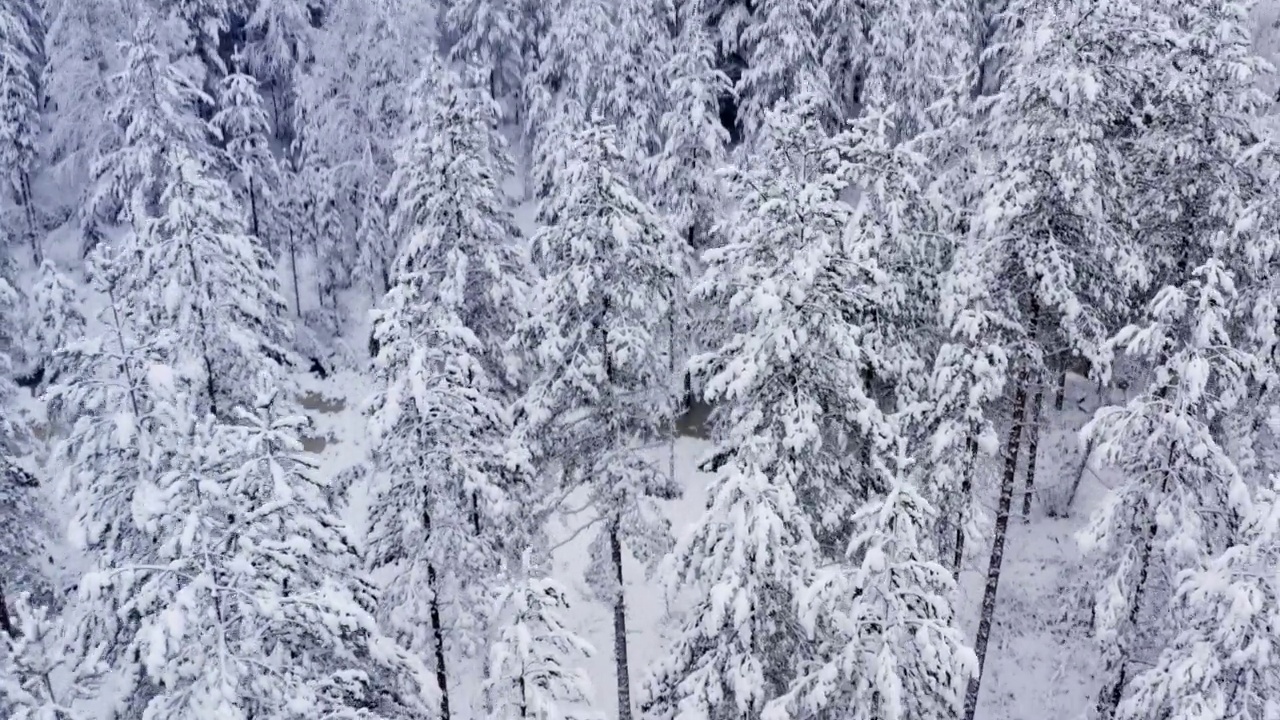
x: 437, y: 628
x: 437, y: 632
x: 620, y: 628
x: 1117, y: 667
x: 6, y: 623
x: 1033, y: 448
x: 253, y: 209
x: 293, y: 265
x: 29, y: 209
x: 966, y: 491
x: 998, y: 541
x: 1062, y: 390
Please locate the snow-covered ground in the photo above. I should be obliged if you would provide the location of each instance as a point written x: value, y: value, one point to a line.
x: 1040, y: 661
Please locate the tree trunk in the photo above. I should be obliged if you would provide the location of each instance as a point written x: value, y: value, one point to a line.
x: 6, y: 623
x: 293, y: 265
x: 1117, y: 667
x: 1033, y: 447
x: 1062, y: 390
x: 998, y: 541
x: 253, y: 210
x: 966, y: 490
x: 437, y: 632
x: 620, y: 628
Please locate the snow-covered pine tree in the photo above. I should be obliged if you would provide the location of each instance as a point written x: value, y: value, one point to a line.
x: 56, y: 319
x: 81, y: 46
x: 601, y: 391
x: 1221, y: 660
x: 209, y: 285
x: 844, y: 36
x: 636, y: 99
x: 105, y: 391
x: 531, y: 673
x: 251, y: 604
x: 42, y: 676
x: 895, y: 651
x: 1052, y: 215
x: 784, y: 63
x: 919, y: 51
x: 245, y: 130
x: 684, y: 176
x: 24, y: 525
x: 791, y: 401
x: 21, y: 61
x: 350, y: 109
x: 568, y: 81
x: 495, y: 36
x: 153, y: 111
x: 442, y: 515
x: 279, y: 38
x: 202, y: 25
x: 1187, y: 512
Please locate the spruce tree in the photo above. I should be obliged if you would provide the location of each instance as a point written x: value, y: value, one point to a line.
x: 245, y: 130
x: 530, y: 672
x: 442, y: 417
x: 601, y: 391
x: 789, y: 477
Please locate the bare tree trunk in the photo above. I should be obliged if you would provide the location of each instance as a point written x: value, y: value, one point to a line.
x: 966, y: 491
x: 6, y: 623
x: 437, y: 628
x: 1033, y: 448
x: 620, y: 628
x: 1075, y: 484
x: 998, y: 541
x: 293, y: 265
x: 1117, y: 665
x: 253, y: 209
x: 29, y: 208
x: 1062, y: 390
x: 437, y: 632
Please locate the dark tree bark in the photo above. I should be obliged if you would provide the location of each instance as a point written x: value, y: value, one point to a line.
x: 293, y: 266
x: 620, y: 629
x: 1033, y: 448
x: 437, y: 628
x: 6, y: 623
x: 998, y: 541
x: 253, y: 209
x: 437, y: 631
x: 966, y: 491
x: 1062, y: 390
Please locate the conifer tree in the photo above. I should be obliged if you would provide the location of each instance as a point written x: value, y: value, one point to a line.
x: 21, y: 59
x: 1192, y: 502
x: 250, y: 604
x: 895, y: 650
x: 493, y: 35
x: 786, y: 485
x: 202, y: 279
x: 684, y: 174
x: 442, y: 420
x: 81, y: 46
x: 600, y: 391
x: 154, y: 110
x: 245, y: 129
x: 530, y: 675
x: 784, y: 64
x: 41, y: 675
x: 57, y: 320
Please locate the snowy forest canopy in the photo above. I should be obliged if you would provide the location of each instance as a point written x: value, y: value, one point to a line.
x: 369, y: 359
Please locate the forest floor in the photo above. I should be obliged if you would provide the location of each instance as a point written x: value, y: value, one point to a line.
x: 1040, y: 661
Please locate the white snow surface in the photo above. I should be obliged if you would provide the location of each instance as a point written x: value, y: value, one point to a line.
x: 1041, y: 658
